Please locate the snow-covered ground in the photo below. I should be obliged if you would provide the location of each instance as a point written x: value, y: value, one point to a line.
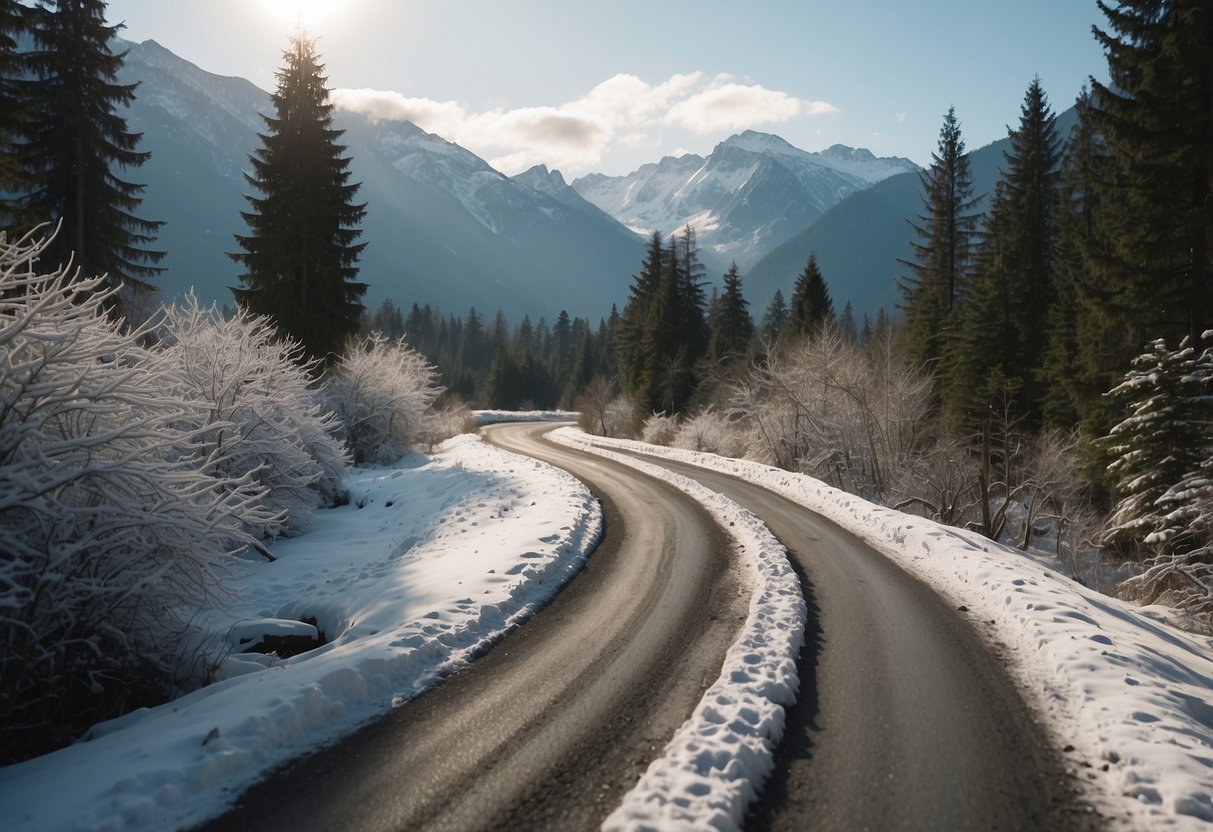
x: 433, y: 560
x: 492, y: 417
x: 428, y: 565
x: 1128, y: 695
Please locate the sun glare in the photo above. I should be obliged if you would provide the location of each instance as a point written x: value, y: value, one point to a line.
x: 307, y: 12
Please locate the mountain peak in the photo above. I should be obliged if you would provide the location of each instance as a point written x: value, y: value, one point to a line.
x: 757, y: 142
x: 848, y: 154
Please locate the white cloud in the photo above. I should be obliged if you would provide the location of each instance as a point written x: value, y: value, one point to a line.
x: 726, y: 105
x: 623, y: 111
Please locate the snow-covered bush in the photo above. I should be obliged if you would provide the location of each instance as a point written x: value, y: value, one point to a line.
x: 263, y: 414
x: 711, y: 431
x: 593, y: 406
x: 381, y: 390
x: 852, y: 416
x: 110, y: 533
x: 441, y: 423
x: 659, y: 429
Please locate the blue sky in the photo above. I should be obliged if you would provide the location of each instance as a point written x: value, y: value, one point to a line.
x: 607, y: 86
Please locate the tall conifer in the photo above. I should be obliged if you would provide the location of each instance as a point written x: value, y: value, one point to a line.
x: 1155, y: 115
x: 300, y: 255
x: 71, y: 140
x: 732, y: 327
x: 941, y: 267
x: 811, y: 305
x: 1002, y: 334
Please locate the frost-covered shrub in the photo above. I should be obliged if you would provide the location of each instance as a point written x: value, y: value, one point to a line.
x: 711, y: 431
x: 850, y: 415
x: 442, y: 423
x: 659, y: 429
x: 381, y: 390
x: 110, y: 534
x: 263, y: 414
x: 620, y: 418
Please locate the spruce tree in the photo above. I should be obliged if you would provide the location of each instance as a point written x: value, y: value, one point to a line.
x: 1162, y: 439
x: 940, y: 268
x: 774, y: 319
x: 71, y: 138
x: 12, y: 105
x: 635, y: 315
x: 811, y: 305
x: 1003, y: 330
x: 300, y: 255
x: 1147, y: 268
x: 1076, y: 371
x: 732, y: 327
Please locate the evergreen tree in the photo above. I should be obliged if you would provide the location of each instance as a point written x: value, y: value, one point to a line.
x: 71, y: 138
x: 939, y: 272
x: 811, y: 305
x: 1147, y: 259
x: 13, y: 107
x: 1002, y: 332
x: 1162, y: 439
x: 847, y: 327
x: 1074, y: 372
x: 300, y: 255
x: 774, y: 319
x: 665, y: 384
x: 692, y: 302
x: 635, y: 315
x: 731, y: 325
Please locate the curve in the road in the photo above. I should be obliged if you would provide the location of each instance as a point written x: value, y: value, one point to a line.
x: 905, y: 720
x: 549, y: 728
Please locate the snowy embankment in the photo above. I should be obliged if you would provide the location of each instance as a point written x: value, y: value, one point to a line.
x: 493, y: 417
x: 716, y: 762
x: 1127, y: 695
x: 428, y: 565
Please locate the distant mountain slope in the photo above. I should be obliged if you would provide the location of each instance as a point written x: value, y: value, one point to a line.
x: 442, y: 226
x: 750, y: 194
x: 860, y: 240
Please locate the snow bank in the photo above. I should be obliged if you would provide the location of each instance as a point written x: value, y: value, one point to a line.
x: 428, y: 565
x: 492, y: 417
x: 1129, y: 696
x: 716, y: 762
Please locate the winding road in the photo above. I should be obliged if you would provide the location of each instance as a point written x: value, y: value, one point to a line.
x: 550, y: 727
x: 906, y: 720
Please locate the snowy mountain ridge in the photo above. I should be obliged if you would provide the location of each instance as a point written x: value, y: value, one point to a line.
x: 745, y: 198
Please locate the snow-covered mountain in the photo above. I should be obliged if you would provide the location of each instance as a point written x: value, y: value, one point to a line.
x: 442, y: 226
x: 753, y: 191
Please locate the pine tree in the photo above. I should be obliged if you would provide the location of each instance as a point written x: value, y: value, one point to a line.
x: 665, y: 377
x: 1162, y: 439
x: 13, y: 107
x: 1074, y: 370
x: 71, y: 139
x: 731, y: 325
x: 300, y: 255
x: 1002, y: 331
x: 1146, y: 258
x: 692, y: 301
x: 774, y: 319
x: 635, y: 315
x: 1157, y: 252
x: 811, y: 305
x: 940, y: 270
